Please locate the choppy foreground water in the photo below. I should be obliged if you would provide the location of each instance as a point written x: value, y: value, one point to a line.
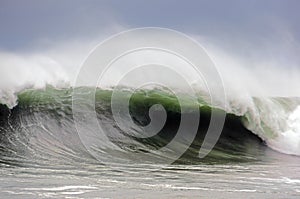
x: 255, y: 180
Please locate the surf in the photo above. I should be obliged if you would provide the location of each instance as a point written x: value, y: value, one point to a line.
x: 41, y: 125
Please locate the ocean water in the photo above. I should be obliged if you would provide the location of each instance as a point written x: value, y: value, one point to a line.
x: 44, y: 155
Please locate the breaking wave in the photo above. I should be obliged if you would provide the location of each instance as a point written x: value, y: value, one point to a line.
x: 41, y: 126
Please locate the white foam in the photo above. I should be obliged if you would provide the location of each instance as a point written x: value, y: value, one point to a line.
x: 242, y: 78
x: 19, y: 72
x: 288, y: 140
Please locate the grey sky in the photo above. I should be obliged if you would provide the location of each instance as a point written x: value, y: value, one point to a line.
x: 25, y: 23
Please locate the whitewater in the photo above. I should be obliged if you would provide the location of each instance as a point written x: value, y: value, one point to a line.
x: 265, y: 94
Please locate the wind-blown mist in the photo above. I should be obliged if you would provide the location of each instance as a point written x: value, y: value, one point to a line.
x: 251, y: 85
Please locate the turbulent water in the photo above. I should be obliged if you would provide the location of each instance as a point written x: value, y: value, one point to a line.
x: 42, y: 154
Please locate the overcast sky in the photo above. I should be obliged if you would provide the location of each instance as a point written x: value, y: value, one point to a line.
x: 28, y: 23
x: 252, y: 30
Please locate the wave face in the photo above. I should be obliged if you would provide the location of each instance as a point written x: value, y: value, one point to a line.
x: 41, y: 127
